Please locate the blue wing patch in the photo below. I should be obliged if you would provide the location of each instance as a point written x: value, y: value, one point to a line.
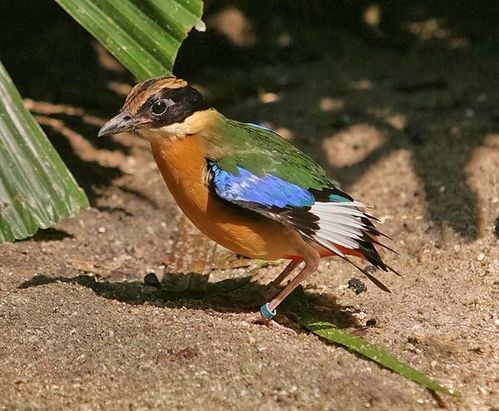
x: 267, y: 191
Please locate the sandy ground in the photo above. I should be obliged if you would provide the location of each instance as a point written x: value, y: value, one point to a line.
x: 412, y: 132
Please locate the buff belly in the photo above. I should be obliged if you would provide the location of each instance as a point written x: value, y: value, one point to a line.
x: 183, y: 166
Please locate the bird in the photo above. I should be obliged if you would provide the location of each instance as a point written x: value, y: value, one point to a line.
x: 247, y: 188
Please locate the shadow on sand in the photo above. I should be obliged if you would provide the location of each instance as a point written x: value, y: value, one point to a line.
x: 227, y: 296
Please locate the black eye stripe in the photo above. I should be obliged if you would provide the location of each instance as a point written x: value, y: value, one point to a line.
x: 180, y: 104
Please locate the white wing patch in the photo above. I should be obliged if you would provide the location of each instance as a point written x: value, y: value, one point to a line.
x: 340, y: 224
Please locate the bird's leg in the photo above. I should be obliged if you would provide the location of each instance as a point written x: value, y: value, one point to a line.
x: 287, y: 271
x: 310, y: 267
x: 268, y: 311
x: 272, y: 288
x: 311, y: 258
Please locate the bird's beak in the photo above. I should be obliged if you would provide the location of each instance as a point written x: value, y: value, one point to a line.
x: 124, y: 121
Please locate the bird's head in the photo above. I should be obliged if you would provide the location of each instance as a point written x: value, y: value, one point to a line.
x: 157, y: 108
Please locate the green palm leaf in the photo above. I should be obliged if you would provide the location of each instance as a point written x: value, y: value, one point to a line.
x: 36, y: 188
x: 143, y: 35
x: 310, y: 320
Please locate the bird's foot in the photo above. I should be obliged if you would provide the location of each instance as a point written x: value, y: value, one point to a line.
x: 257, y: 318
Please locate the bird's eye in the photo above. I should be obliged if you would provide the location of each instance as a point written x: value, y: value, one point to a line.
x: 160, y: 107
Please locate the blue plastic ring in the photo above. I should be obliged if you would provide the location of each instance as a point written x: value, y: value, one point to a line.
x: 266, y: 312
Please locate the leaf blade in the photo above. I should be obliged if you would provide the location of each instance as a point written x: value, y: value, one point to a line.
x: 145, y: 36
x: 311, y: 321
x: 36, y: 188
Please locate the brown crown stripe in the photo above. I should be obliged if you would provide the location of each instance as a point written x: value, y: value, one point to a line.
x: 142, y: 91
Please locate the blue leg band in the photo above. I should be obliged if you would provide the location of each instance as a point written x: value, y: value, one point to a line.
x: 266, y: 313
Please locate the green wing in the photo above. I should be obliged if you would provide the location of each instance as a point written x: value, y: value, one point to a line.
x: 244, y: 156
x: 262, y: 151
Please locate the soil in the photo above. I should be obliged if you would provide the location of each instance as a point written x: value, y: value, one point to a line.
x: 402, y: 111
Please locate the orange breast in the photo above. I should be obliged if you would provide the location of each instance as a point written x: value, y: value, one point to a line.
x: 183, y: 166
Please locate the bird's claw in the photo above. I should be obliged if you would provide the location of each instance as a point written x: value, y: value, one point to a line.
x: 257, y: 318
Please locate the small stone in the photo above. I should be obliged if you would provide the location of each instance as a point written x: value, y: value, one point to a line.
x: 360, y: 315
x: 357, y: 285
x: 101, y: 230
x: 480, y: 257
x: 416, y: 338
x: 410, y: 347
x: 151, y: 280
x: 186, y: 353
